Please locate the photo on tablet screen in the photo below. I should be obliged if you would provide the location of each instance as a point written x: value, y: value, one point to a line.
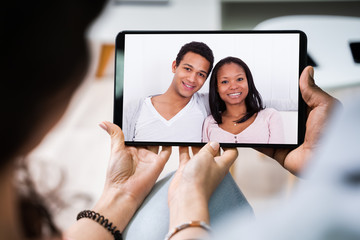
x: 239, y: 88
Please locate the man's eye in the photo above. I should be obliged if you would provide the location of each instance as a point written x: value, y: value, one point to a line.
x: 202, y: 75
x: 187, y: 69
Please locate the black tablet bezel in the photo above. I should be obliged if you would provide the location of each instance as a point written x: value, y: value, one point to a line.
x: 118, y: 86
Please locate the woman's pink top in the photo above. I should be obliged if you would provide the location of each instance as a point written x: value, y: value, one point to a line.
x: 266, y: 128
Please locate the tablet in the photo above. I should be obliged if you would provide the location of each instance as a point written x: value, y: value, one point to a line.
x: 239, y: 88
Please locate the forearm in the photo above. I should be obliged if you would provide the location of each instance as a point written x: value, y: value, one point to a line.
x: 115, y: 207
x: 192, y: 187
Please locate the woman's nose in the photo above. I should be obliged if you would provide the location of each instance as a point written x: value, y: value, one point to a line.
x: 234, y: 85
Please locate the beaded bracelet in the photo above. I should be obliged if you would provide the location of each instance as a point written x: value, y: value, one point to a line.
x: 180, y: 227
x: 102, y: 221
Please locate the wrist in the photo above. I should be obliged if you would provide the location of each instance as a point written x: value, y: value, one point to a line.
x: 190, y: 206
x: 189, y: 229
x: 115, y: 207
x: 119, y: 208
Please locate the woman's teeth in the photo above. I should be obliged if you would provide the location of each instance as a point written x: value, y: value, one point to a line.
x: 235, y: 94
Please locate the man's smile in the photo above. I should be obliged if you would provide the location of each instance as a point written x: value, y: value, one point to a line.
x: 187, y: 86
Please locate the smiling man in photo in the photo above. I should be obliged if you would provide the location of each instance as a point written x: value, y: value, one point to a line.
x: 176, y: 115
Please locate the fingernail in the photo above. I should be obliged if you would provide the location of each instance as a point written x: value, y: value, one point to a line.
x: 311, y: 72
x: 215, y: 145
x: 103, y: 126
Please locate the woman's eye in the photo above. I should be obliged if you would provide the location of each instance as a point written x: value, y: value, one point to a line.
x: 224, y: 82
x: 240, y: 79
x: 202, y: 75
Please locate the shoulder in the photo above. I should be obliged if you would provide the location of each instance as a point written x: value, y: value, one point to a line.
x: 137, y: 104
x: 209, y: 125
x: 268, y: 112
x: 209, y: 120
x: 137, y: 101
x: 203, y: 97
x: 202, y: 100
x: 134, y: 107
x: 200, y: 95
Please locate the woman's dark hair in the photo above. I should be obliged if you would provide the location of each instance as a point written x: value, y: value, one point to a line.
x: 199, y: 48
x: 253, y: 100
x: 44, y: 59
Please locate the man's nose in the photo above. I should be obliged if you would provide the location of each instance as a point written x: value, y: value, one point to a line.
x: 192, y: 76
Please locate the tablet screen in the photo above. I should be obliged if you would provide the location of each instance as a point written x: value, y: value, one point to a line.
x: 239, y: 88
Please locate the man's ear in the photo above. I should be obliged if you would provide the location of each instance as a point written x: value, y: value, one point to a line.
x: 173, y: 67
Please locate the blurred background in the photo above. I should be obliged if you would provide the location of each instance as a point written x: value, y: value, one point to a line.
x: 81, y: 149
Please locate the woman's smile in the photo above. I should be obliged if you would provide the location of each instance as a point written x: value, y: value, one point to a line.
x: 235, y: 95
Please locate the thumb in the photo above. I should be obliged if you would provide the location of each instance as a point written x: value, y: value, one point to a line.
x: 210, y: 148
x: 227, y: 158
x: 311, y: 93
x: 117, y: 136
x: 307, y: 77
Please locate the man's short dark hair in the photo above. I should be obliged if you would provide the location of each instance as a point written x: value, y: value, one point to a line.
x: 199, y: 48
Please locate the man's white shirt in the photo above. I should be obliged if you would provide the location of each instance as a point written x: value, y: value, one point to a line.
x: 185, y: 126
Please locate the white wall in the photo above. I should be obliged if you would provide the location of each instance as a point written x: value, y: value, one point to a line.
x: 175, y: 15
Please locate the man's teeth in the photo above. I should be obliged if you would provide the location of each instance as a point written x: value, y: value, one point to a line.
x: 235, y: 94
x: 188, y: 86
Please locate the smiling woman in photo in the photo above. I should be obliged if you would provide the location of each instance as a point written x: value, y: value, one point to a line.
x: 237, y: 112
